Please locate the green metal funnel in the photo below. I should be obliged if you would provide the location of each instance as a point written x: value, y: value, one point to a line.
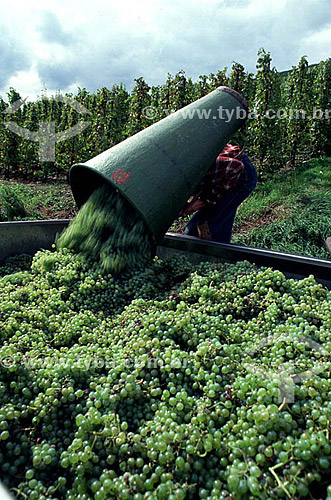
x: 159, y: 168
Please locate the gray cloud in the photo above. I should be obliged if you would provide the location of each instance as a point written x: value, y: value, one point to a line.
x: 308, y: 16
x: 56, y: 75
x: 112, y: 46
x: 12, y: 57
x: 51, y: 30
x: 119, y: 59
x: 93, y: 71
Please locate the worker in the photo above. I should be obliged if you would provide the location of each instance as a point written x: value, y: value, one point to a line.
x: 328, y: 244
x: 226, y: 185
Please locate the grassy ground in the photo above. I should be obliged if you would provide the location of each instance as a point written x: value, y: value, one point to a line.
x: 291, y: 212
x: 40, y: 201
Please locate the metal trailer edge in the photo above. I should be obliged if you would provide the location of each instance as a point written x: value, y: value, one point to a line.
x: 29, y: 236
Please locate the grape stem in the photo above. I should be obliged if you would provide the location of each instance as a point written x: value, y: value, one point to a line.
x: 280, y: 484
x: 310, y: 496
x: 19, y: 492
x: 96, y: 435
x: 282, y: 405
x: 243, y: 454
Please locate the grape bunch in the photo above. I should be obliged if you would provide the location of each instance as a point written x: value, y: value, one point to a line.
x: 175, y: 381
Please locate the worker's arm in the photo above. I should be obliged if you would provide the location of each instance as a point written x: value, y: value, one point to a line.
x: 192, y: 207
x: 221, y: 177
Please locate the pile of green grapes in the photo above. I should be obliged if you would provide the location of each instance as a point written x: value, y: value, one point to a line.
x: 173, y: 382
x: 109, y: 231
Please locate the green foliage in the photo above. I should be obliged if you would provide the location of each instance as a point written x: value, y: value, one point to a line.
x: 321, y: 124
x: 11, y: 204
x: 264, y: 130
x: 237, y: 77
x: 219, y: 79
x: 140, y: 99
x: 298, y: 100
x: 203, y: 86
x: 180, y: 96
x: 115, y: 114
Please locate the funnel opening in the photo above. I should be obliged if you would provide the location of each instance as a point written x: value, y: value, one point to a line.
x: 84, y: 180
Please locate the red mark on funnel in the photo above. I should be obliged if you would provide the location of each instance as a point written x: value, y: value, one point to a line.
x: 120, y: 176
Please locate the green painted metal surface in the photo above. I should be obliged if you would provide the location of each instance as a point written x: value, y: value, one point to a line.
x: 28, y: 236
x: 159, y: 168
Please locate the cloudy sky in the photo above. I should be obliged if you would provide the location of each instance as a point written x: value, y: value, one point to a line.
x: 84, y: 43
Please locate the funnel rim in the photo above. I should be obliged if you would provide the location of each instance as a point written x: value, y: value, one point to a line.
x: 102, y: 177
x: 235, y: 94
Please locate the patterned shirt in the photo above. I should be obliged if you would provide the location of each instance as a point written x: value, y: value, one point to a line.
x: 222, y: 175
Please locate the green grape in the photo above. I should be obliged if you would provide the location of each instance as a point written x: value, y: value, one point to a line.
x: 160, y: 381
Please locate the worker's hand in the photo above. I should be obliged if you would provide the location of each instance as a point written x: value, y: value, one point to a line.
x: 203, y: 231
x: 192, y: 207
